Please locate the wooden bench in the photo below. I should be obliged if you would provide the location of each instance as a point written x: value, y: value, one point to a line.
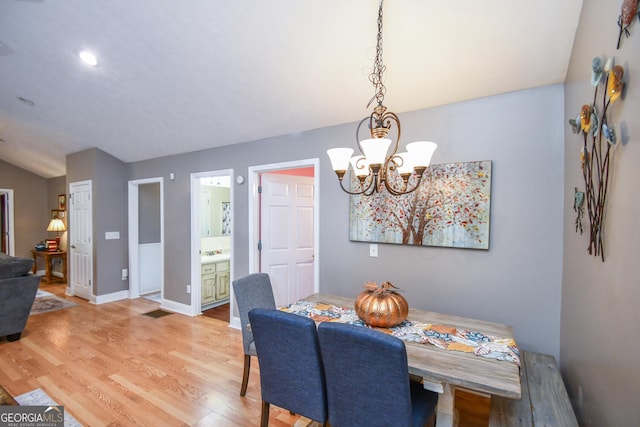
x: 544, y: 401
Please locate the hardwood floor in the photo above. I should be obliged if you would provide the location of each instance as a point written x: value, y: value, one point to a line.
x: 221, y: 312
x: 109, y: 365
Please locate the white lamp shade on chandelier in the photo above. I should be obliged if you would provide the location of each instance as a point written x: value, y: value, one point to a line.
x: 421, y: 152
x: 340, y: 158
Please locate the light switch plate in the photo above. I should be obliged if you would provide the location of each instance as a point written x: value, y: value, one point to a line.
x: 373, y: 250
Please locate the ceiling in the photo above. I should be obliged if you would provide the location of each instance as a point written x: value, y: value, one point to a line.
x: 178, y: 76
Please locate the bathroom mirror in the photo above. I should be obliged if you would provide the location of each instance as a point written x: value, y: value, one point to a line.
x: 215, y: 206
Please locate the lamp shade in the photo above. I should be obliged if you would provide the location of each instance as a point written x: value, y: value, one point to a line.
x: 421, y: 152
x: 340, y: 158
x: 56, y: 225
x: 407, y: 164
x: 375, y: 150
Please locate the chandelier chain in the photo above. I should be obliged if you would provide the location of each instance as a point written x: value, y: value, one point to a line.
x: 378, y: 66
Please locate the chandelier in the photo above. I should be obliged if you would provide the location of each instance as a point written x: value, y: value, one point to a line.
x: 380, y: 166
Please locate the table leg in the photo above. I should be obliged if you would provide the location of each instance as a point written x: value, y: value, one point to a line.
x: 445, y: 412
x: 64, y: 267
x: 48, y: 274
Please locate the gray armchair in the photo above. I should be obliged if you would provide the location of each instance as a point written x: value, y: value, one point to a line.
x: 252, y: 291
x: 18, y: 288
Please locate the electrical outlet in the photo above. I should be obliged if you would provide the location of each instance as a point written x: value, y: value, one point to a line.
x: 188, y: 289
x: 373, y: 250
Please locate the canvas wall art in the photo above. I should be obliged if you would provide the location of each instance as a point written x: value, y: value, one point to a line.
x: 450, y: 208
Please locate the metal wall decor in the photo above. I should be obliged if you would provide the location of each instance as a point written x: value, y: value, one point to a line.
x: 628, y: 12
x: 600, y: 140
x: 578, y: 208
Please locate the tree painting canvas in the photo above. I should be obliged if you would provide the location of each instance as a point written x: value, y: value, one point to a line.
x: 450, y: 208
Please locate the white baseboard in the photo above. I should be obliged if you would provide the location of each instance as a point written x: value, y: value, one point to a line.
x: 177, y: 307
x: 114, y: 296
x: 235, y: 323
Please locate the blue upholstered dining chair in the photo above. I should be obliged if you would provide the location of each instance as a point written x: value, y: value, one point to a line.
x: 251, y: 291
x: 367, y: 379
x: 291, y: 374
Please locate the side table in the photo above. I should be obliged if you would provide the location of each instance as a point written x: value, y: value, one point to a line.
x: 49, y: 256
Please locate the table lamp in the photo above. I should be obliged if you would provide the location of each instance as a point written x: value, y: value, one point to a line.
x: 57, y: 225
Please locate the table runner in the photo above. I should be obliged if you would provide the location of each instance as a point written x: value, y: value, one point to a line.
x: 441, y: 336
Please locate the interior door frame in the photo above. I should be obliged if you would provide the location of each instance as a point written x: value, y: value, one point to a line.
x: 253, y: 181
x: 133, y: 224
x: 11, y: 247
x: 196, y: 272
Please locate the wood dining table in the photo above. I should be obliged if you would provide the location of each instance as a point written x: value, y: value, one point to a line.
x: 443, y: 370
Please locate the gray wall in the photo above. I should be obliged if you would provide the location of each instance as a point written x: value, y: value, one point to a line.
x: 149, y: 213
x: 517, y: 281
x: 600, y: 315
x: 31, y: 216
x: 110, y: 213
x: 109, y: 186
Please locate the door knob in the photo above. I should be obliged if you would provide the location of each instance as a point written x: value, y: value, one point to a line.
x: 73, y: 246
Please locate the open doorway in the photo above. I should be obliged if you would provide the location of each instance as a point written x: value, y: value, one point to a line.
x: 284, y: 228
x: 146, y: 238
x: 211, y: 239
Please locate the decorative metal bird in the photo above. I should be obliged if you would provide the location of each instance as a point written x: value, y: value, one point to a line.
x: 578, y: 206
x: 596, y: 71
x: 584, y: 157
x: 615, y: 84
x: 628, y: 12
x: 575, y: 124
x: 609, y: 134
x: 589, y: 119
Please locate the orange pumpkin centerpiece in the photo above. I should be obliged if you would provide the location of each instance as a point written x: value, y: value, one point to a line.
x: 381, y: 307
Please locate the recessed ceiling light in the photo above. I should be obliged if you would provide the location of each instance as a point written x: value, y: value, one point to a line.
x: 88, y: 58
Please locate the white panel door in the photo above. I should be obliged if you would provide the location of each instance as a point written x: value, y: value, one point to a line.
x: 287, y: 207
x: 80, y: 238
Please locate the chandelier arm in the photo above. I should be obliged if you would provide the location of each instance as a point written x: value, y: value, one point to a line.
x: 358, y: 133
x: 372, y: 189
x: 395, y: 192
x: 357, y: 193
x: 388, y: 185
